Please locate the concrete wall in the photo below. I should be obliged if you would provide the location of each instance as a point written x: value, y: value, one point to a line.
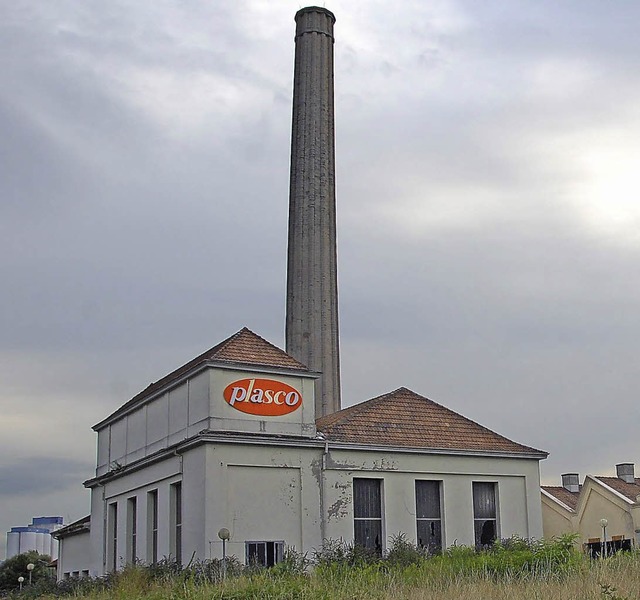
x: 517, y: 482
x: 74, y: 556
x: 599, y: 503
x: 271, y: 491
x: 158, y: 476
x: 300, y: 422
x: 555, y: 519
x: 262, y: 493
x: 193, y: 406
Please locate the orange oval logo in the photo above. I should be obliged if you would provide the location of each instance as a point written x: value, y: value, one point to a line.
x: 262, y: 397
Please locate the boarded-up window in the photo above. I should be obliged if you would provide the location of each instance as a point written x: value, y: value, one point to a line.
x: 485, y: 520
x: 367, y: 513
x: 429, y: 515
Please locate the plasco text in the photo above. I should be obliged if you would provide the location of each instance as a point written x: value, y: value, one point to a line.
x: 265, y: 397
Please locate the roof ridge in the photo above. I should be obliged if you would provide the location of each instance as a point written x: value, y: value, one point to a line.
x: 405, y: 418
x: 240, y: 355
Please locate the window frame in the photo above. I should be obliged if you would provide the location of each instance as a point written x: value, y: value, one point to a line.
x: 132, y: 529
x: 277, y: 552
x: 363, y: 519
x: 476, y: 485
x: 112, y: 535
x: 152, y: 526
x: 175, y: 500
x: 439, y: 519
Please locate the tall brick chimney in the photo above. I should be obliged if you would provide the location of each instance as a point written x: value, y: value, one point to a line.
x: 312, y: 289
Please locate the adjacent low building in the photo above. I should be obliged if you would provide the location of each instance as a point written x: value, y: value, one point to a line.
x: 580, y: 508
x: 74, y: 557
x: 230, y: 440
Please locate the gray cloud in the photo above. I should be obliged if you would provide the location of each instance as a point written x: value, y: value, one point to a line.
x: 42, y: 475
x: 143, y: 206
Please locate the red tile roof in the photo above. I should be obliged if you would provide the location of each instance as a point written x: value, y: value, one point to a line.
x: 629, y: 490
x: 242, y: 348
x: 563, y: 494
x: 403, y: 418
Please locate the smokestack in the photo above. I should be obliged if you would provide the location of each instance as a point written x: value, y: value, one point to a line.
x: 312, y: 287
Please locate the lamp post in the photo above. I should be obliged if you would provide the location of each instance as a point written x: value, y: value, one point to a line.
x: 21, y: 581
x: 224, y: 535
x: 603, y: 524
x: 30, y: 568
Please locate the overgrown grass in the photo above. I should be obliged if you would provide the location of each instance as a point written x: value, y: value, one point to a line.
x: 513, y: 569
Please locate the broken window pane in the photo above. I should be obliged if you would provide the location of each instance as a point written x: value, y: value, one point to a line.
x: 367, y: 513
x: 484, y: 513
x: 428, y: 515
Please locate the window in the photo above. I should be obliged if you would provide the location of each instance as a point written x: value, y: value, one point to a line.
x: 132, y: 529
x: 428, y: 515
x: 485, y: 520
x: 176, y: 521
x: 85, y: 573
x: 367, y: 514
x: 113, y: 536
x: 264, y: 554
x: 152, y: 526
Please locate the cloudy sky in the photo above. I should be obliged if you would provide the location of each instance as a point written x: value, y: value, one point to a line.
x: 488, y: 167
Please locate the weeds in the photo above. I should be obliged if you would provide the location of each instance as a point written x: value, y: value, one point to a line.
x: 512, y: 569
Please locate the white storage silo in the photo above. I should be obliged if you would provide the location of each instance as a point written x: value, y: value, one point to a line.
x: 13, y: 544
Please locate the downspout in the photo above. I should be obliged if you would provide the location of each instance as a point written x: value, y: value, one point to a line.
x: 323, y: 513
x: 104, y: 530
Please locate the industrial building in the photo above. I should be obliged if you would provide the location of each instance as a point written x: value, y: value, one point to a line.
x: 34, y: 537
x: 230, y: 439
x: 252, y: 438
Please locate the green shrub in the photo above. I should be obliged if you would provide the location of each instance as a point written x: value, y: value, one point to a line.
x: 403, y: 553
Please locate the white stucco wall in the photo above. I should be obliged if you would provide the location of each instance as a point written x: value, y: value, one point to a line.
x: 271, y: 492
x: 599, y: 503
x: 74, y: 555
x: 517, y: 492
x: 556, y: 520
x: 193, y: 406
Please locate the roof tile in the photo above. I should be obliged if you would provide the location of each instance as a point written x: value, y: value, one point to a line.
x: 630, y: 490
x: 242, y: 348
x: 563, y: 495
x: 403, y: 418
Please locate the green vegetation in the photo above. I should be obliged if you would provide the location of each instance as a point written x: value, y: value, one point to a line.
x: 16, y: 566
x: 513, y: 569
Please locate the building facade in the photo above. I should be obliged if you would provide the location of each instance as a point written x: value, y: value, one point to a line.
x: 580, y: 508
x: 230, y: 440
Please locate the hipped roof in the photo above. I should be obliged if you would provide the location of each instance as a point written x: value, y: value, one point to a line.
x: 403, y: 418
x: 244, y: 348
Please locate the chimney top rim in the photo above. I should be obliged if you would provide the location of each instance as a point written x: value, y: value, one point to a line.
x: 318, y: 9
